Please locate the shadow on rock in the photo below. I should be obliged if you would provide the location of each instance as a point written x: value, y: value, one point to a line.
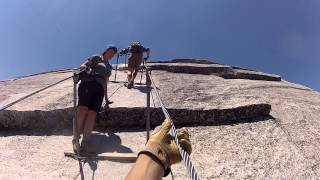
x: 108, y: 142
x: 143, y: 88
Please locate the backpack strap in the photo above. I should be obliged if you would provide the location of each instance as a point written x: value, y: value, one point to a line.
x: 95, y: 59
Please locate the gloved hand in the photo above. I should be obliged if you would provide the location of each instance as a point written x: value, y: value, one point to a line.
x: 76, y: 76
x: 122, y: 52
x: 162, y: 145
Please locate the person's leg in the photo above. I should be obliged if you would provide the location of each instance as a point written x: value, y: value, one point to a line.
x: 84, y: 95
x: 94, y: 107
x: 89, y: 125
x: 136, y: 66
x: 131, y: 65
x: 80, y: 117
x: 82, y: 112
x: 135, y: 72
x: 129, y: 77
x: 129, y: 74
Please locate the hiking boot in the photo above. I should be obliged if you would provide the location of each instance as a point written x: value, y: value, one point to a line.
x: 76, y: 146
x: 130, y: 85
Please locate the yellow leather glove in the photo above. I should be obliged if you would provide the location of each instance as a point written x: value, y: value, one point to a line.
x: 162, y: 146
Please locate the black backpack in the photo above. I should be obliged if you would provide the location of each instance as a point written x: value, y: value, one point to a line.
x: 136, y: 47
x: 88, y: 74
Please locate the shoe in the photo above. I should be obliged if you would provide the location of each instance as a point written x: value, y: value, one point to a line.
x: 76, y: 146
x: 130, y: 85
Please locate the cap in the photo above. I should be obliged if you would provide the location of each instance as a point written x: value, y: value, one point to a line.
x: 110, y: 46
x: 113, y: 47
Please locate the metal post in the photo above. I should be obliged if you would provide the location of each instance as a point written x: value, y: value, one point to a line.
x: 148, y: 83
x: 115, y: 75
x: 76, y: 134
x: 75, y: 94
x: 141, y: 72
x: 125, y: 62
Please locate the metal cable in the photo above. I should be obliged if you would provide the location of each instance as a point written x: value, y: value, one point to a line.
x: 20, y: 99
x: 104, y: 103
x: 154, y: 104
x: 120, y: 85
x: 185, y: 156
x: 172, y: 175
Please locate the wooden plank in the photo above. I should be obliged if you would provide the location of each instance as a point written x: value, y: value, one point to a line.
x: 115, y: 156
x: 118, y: 156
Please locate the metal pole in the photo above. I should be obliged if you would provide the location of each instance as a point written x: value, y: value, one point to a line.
x: 76, y: 134
x: 75, y: 94
x: 125, y: 62
x: 142, y: 71
x: 115, y: 75
x: 148, y: 83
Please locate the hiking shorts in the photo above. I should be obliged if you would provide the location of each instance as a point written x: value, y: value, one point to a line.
x: 134, y: 61
x: 90, y: 94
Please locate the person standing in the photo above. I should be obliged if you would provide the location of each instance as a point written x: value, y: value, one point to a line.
x: 96, y: 71
x: 135, y: 57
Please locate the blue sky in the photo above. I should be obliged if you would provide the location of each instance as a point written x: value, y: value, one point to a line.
x: 280, y: 37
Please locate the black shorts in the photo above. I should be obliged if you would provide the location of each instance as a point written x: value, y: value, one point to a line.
x: 91, y: 95
x: 134, y: 61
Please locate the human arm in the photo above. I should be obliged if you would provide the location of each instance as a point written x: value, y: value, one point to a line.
x: 159, y: 154
x: 84, y: 65
x: 147, y: 50
x: 145, y: 168
x: 124, y: 51
x: 106, y: 90
x: 88, y: 62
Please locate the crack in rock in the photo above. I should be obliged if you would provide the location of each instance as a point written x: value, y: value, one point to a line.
x: 135, y: 117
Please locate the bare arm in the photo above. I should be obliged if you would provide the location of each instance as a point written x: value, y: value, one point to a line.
x: 145, y: 168
x: 160, y: 152
x: 106, y: 89
x: 87, y: 63
x: 147, y: 50
x: 124, y: 51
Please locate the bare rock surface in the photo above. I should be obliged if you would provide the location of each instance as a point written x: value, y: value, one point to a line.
x: 190, y: 66
x: 241, y: 128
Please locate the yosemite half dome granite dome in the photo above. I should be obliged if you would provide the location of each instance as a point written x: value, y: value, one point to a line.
x: 243, y: 123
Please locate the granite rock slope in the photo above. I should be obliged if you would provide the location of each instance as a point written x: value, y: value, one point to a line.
x: 244, y: 124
